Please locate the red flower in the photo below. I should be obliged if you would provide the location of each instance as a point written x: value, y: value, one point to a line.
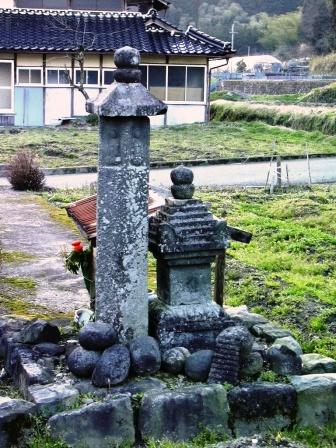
x: 77, y: 246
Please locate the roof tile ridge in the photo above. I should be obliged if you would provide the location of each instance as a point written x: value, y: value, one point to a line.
x: 152, y: 14
x: 70, y: 12
x: 193, y: 31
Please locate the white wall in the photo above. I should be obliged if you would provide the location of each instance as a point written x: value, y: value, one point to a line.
x: 185, y: 113
x: 6, y: 3
x: 57, y: 104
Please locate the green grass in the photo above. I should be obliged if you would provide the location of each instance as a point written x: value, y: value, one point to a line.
x: 222, y: 139
x: 292, y: 98
x: 288, y: 271
x: 15, y: 257
x: 326, y: 94
x: 324, y: 122
x: 226, y: 95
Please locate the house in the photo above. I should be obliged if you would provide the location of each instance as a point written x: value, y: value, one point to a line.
x: 262, y: 63
x: 37, y: 64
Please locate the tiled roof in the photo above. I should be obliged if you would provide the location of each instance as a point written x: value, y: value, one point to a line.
x: 83, y: 212
x: 66, y: 31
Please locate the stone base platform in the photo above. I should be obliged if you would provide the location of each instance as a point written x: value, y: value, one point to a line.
x: 194, y: 327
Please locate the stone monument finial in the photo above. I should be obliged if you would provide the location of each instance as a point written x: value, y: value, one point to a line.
x: 126, y: 97
x: 182, y: 179
x: 127, y: 60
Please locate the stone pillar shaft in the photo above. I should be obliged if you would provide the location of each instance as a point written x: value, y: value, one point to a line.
x: 122, y: 197
x: 122, y: 225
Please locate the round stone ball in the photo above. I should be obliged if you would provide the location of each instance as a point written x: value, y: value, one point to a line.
x: 97, y: 336
x: 173, y: 360
x: 82, y: 362
x: 182, y: 176
x: 145, y: 355
x: 113, y: 367
x: 197, y: 365
x: 127, y: 57
x: 183, y: 191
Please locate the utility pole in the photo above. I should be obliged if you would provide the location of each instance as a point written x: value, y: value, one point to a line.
x: 233, y: 32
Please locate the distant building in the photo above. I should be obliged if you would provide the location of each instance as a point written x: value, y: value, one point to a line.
x: 254, y: 64
x: 37, y: 44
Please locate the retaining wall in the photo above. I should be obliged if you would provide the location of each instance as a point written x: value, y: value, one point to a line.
x: 263, y: 87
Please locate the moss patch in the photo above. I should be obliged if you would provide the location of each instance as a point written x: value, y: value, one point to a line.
x: 15, y: 257
x: 57, y: 214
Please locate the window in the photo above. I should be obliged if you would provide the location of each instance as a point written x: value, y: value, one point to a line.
x: 57, y: 76
x: 157, y: 81
x: 176, y: 83
x: 195, y: 84
x: 91, y: 77
x: 144, y: 74
x: 6, y: 86
x: 29, y: 76
x: 108, y: 77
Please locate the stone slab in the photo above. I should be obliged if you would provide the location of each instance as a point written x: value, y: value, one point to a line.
x: 262, y: 407
x: 14, y: 417
x: 243, y: 317
x: 105, y: 424
x: 313, y: 363
x: 316, y: 399
x: 52, y: 398
x: 270, y: 332
x: 194, y: 327
x: 181, y: 414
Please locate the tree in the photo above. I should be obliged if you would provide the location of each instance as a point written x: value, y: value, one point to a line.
x: 241, y: 66
x: 316, y: 24
x: 281, y: 31
x: 82, y: 38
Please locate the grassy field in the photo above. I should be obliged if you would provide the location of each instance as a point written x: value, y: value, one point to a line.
x: 288, y: 272
x: 74, y: 147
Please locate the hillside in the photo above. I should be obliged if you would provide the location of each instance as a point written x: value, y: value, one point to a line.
x: 272, y: 26
x: 181, y: 10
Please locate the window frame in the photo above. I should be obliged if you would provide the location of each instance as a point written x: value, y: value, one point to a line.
x: 29, y: 84
x: 86, y: 70
x: 186, y: 66
x: 11, y: 110
x: 58, y: 69
x: 103, y: 76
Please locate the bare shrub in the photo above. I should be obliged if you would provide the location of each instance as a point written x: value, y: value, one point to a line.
x: 24, y: 173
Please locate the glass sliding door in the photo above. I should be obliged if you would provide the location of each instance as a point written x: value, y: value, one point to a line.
x: 6, y: 86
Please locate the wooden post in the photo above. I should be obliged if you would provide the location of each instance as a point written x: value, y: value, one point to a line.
x: 278, y: 172
x: 220, y: 278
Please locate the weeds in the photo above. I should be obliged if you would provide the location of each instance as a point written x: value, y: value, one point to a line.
x: 24, y: 173
x: 324, y: 122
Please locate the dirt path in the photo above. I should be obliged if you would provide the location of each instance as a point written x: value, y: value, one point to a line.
x: 26, y: 228
x: 295, y: 108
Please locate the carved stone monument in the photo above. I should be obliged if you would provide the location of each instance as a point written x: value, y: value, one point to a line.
x: 122, y: 200
x: 185, y: 239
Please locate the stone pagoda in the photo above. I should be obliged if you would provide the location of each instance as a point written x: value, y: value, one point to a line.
x: 185, y: 238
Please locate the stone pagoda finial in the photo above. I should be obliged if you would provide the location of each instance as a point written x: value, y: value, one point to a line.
x: 182, y: 179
